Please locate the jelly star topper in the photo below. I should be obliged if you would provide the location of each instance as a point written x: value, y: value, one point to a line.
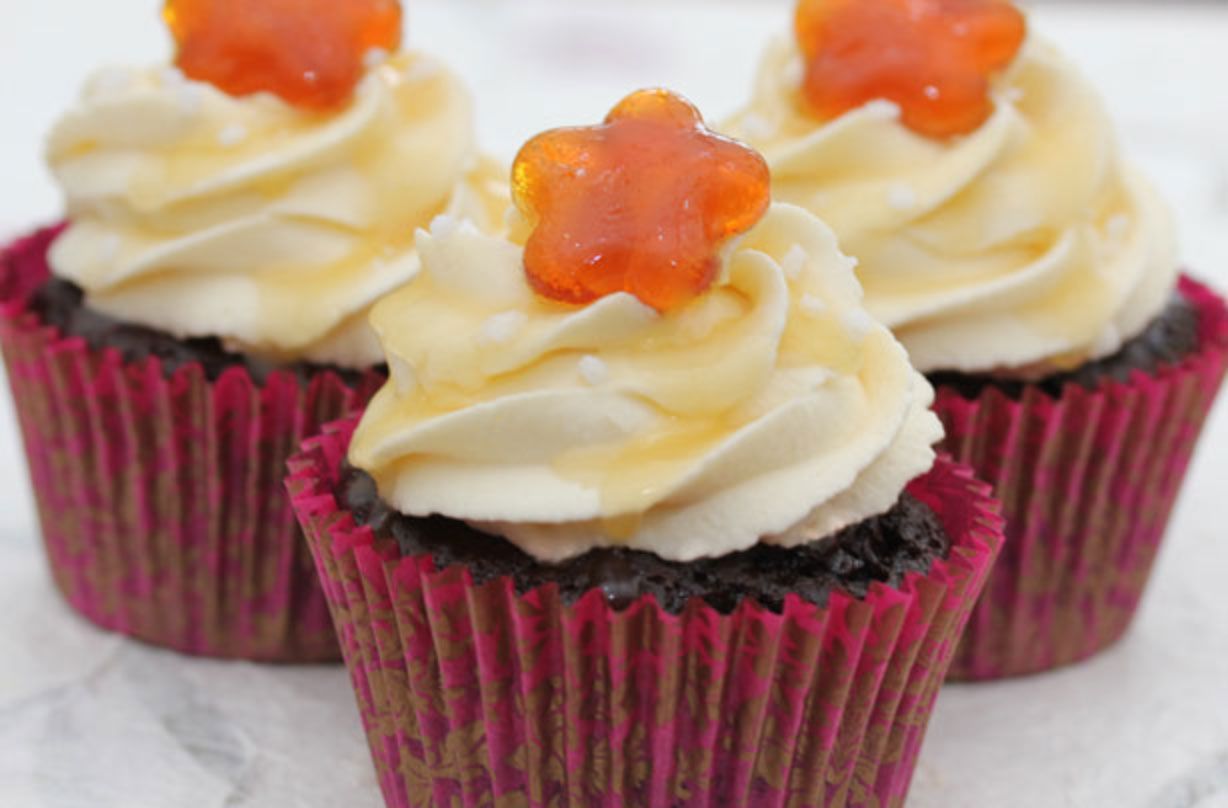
x: 311, y: 53
x: 933, y: 58
x: 641, y: 203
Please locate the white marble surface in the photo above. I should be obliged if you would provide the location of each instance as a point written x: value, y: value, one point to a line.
x: 87, y: 719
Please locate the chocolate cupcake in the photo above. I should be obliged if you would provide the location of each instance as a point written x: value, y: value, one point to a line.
x: 1032, y: 274
x: 647, y: 513
x: 204, y: 308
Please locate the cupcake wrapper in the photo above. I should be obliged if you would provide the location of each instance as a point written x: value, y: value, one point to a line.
x: 162, y: 502
x: 474, y: 695
x: 1087, y: 483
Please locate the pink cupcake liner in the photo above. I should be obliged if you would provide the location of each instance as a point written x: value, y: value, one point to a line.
x: 161, y: 498
x: 1087, y: 482
x: 474, y: 695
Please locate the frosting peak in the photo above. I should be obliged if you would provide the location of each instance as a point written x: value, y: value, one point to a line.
x: 771, y: 408
x: 270, y: 227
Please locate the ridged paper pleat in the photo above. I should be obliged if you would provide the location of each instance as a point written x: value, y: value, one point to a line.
x: 1087, y: 482
x: 477, y: 696
x: 161, y: 496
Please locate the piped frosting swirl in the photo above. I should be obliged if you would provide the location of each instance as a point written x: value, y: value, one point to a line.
x: 770, y: 409
x: 1024, y: 248
x: 270, y: 227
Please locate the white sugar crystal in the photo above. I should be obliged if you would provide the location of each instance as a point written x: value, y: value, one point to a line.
x: 881, y: 107
x: 812, y: 304
x: 232, y: 135
x: 374, y: 58
x: 594, y: 370
x: 794, y: 262
x: 502, y: 327
x: 859, y: 323
x: 901, y: 196
x: 444, y: 226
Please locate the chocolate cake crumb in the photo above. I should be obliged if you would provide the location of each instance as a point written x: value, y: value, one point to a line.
x: 908, y: 538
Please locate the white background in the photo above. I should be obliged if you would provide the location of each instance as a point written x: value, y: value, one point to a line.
x: 87, y: 719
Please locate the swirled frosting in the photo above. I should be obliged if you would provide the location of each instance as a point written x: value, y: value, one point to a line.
x: 1024, y: 248
x: 247, y: 219
x: 770, y: 409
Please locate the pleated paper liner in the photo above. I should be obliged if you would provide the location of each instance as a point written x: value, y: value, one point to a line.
x: 477, y: 696
x: 162, y: 498
x: 1087, y: 482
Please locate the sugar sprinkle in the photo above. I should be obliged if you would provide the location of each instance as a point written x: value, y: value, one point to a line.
x: 594, y: 370
x: 502, y: 327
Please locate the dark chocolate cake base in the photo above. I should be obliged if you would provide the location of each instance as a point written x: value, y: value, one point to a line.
x: 61, y: 304
x: 1170, y: 338
x: 908, y: 538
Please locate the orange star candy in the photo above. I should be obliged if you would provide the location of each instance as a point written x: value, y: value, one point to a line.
x: 311, y: 53
x: 933, y: 58
x: 641, y: 203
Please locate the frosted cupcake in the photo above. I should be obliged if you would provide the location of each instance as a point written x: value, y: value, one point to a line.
x: 1032, y: 274
x: 648, y: 512
x: 231, y: 221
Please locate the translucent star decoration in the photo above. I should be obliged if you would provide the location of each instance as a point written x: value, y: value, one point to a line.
x: 641, y: 203
x: 933, y: 58
x: 311, y: 53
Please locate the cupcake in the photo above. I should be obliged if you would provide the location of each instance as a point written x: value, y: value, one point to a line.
x: 648, y: 512
x: 1032, y: 274
x: 231, y: 221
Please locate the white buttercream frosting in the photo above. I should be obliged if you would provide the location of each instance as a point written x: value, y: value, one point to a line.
x: 270, y: 227
x: 1024, y: 247
x: 770, y: 409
